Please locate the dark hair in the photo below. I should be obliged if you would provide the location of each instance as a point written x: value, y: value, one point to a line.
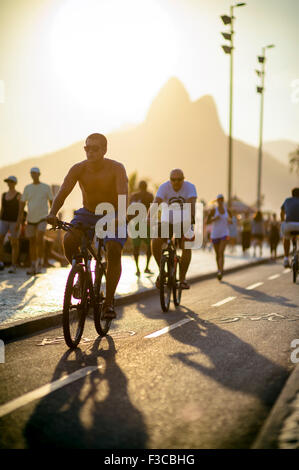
x: 100, y: 137
x: 295, y: 192
x: 143, y: 185
x: 258, y: 216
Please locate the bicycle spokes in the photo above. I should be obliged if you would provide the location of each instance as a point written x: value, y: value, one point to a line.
x: 166, y: 273
x: 75, y: 306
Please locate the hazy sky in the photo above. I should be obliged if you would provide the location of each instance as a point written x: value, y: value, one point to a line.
x: 72, y: 67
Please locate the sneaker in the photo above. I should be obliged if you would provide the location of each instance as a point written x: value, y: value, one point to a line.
x: 1, y: 266
x: 31, y: 271
x: 38, y: 269
x: 12, y: 269
x: 137, y: 273
x: 148, y: 271
x: 108, y: 313
x: 286, y: 262
x: 184, y: 285
x: 219, y: 275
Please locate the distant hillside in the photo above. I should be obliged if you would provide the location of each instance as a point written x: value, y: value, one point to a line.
x: 176, y: 133
x: 280, y: 149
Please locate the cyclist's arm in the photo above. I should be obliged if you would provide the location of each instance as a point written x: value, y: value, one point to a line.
x: 192, y: 201
x: 66, y: 188
x: 282, y: 214
x: 158, y: 201
x: 122, y: 184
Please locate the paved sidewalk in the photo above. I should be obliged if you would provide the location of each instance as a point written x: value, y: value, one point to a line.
x: 23, y: 297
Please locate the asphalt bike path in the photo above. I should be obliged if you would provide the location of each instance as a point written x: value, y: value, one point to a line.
x: 204, y: 375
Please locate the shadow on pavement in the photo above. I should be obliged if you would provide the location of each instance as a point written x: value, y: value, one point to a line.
x: 93, y: 412
x: 236, y: 364
x: 260, y: 296
x: 13, y: 292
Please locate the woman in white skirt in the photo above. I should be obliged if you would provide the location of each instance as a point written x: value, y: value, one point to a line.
x: 220, y: 217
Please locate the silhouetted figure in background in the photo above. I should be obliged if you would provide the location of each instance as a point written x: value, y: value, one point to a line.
x: 257, y: 232
x: 37, y: 195
x: 146, y: 198
x: 246, y: 232
x: 220, y: 217
x: 233, y: 232
x: 274, y: 235
x: 8, y: 221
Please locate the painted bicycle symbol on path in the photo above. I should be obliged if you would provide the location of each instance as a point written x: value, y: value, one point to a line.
x: 273, y: 317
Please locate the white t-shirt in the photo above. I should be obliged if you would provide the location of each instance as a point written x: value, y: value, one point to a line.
x: 37, y: 197
x: 170, y: 196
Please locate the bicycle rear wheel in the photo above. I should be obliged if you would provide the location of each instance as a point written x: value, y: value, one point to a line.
x: 165, y: 282
x: 75, y: 306
x: 176, y: 288
x: 101, y: 325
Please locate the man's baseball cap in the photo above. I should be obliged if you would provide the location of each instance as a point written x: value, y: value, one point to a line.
x: 11, y: 178
x: 220, y: 196
x: 35, y: 169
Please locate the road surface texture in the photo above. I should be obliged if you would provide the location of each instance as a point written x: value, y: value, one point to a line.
x: 204, y: 375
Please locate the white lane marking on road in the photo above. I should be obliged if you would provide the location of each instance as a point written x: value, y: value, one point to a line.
x: 253, y: 286
x: 41, y: 392
x: 287, y: 270
x: 168, y: 328
x: 275, y: 276
x: 224, y: 301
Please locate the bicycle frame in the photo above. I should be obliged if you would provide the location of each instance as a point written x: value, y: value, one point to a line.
x: 90, y: 293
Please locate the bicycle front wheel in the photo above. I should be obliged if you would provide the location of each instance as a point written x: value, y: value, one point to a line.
x: 165, y: 282
x: 295, y: 268
x: 75, y: 306
x: 177, y: 289
x: 101, y: 325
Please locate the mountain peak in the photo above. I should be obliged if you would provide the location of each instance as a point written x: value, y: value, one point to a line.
x: 206, y: 108
x: 170, y: 100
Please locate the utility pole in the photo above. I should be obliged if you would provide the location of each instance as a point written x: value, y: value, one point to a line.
x: 260, y: 90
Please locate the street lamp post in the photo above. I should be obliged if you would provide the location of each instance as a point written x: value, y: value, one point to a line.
x: 260, y: 89
x: 229, y: 50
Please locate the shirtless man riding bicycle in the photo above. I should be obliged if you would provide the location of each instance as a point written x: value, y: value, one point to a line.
x: 101, y: 180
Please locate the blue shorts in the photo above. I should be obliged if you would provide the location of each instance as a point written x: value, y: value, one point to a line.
x: 218, y: 240
x: 85, y: 217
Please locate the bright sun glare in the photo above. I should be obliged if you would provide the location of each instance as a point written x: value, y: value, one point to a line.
x: 114, y: 52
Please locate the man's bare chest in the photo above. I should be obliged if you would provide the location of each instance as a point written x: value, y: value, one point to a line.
x: 101, y: 181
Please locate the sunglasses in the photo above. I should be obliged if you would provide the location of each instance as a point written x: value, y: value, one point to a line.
x: 176, y: 179
x: 92, y: 148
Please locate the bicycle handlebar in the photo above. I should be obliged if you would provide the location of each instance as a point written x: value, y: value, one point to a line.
x: 66, y: 226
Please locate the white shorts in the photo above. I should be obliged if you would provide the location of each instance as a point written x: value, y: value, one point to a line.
x: 31, y: 229
x: 5, y: 226
x: 287, y: 228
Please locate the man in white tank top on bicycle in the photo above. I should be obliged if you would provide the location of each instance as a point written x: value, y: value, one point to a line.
x: 220, y: 218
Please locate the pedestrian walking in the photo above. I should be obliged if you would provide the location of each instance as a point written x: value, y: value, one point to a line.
x: 274, y: 235
x: 144, y: 197
x: 8, y: 221
x: 258, y: 232
x: 37, y: 196
x: 233, y: 232
x: 220, y: 217
x: 246, y: 232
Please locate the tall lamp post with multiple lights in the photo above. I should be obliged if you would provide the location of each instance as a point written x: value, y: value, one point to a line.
x: 260, y: 89
x: 228, y: 49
